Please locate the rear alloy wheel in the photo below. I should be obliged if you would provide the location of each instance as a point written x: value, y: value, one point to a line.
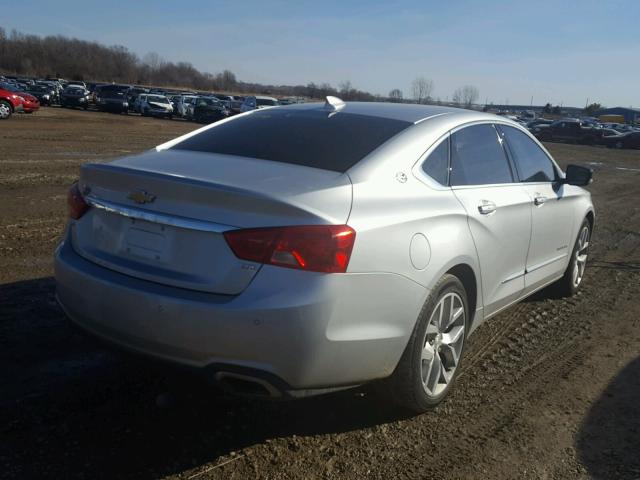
x: 442, y: 344
x: 574, y: 274
x: 429, y: 364
x: 5, y: 110
x: 619, y: 144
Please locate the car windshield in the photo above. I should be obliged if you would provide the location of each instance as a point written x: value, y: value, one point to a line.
x: 157, y: 99
x: 266, y: 101
x: 74, y: 91
x: 311, y: 138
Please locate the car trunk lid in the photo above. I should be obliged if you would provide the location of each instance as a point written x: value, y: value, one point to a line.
x: 160, y: 216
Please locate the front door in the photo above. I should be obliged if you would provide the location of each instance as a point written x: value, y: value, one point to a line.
x: 551, y: 210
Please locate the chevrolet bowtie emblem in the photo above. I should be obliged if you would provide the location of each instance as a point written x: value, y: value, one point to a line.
x: 140, y: 196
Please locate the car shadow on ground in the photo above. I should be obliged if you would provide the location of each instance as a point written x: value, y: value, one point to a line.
x: 89, y: 411
x: 608, y: 442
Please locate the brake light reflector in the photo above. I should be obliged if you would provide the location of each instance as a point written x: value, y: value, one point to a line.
x: 315, y: 248
x: 75, y: 202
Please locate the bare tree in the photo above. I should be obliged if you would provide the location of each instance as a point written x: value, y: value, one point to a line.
x: 465, y: 96
x: 395, y: 95
x: 153, y: 60
x: 422, y: 88
x: 345, y: 89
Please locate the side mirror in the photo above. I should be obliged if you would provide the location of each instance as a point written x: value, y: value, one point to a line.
x: 577, y: 175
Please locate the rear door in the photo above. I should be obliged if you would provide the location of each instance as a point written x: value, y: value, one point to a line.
x: 499, y: 211
x: 552, y: 214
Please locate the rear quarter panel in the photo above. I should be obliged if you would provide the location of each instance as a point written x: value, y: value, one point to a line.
x: 392, y: 207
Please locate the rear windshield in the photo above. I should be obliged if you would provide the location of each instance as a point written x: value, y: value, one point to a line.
x: 312, y: 138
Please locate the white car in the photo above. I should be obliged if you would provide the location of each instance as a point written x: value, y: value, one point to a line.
x: 184, y: 105
x: 257, y: 102
x: 302, y: 249
x: 148, y: 104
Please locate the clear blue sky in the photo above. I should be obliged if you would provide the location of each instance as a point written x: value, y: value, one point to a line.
x: 556, y: 51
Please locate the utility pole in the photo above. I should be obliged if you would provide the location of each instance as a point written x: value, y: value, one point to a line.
x: 531, y: 101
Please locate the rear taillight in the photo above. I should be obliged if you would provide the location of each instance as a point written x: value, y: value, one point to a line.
x: 316, y: 248
x: 75, y: 202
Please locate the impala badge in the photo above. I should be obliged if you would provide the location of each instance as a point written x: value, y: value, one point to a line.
x: 141, y: 196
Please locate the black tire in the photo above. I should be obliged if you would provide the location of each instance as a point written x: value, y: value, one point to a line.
x: 566, y: 286
x: 145, y: 112
x: 619, y: 144
x: 405, y: 386
x: 7, y: 108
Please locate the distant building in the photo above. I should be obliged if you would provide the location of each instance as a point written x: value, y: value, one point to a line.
x: 631, y: 115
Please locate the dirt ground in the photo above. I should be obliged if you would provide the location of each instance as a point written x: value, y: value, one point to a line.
x: 550, y: 389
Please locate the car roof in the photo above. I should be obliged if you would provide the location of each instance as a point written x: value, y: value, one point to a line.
x: 412, y: 113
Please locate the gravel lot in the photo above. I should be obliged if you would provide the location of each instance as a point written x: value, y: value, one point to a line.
x: 549, y: 390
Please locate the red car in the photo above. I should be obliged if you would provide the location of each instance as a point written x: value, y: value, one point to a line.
x: 10, y: 102
x: 30, y: 103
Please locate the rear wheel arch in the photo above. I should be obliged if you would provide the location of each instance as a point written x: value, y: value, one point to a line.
x: 467, y: 276
x: 592, y: 220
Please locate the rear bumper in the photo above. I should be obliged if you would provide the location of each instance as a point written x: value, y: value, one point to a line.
x: 302, y: 330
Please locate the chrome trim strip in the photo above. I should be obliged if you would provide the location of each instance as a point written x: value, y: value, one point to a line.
x: 514, y: 276
x: 161, y: 218
x: 545, y: 263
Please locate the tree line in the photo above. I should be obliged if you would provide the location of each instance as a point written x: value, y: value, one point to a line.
x: 74, y: 59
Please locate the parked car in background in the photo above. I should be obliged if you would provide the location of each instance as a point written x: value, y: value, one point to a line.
x: 151, y: 105
x: 10, y: 102
x: 225, y: 100
x: 113, y: 98
x: 30, y: 103
x: 55, y: 87
x: 75, y: 97
x: 623, y: 140
x: 45, y: 95
x: 568, y: 130
x: 209, y: 109
x: 258, y: 102
x: 608, y: 132
x: 297, y: 250
x: 184, y: 104
x: 236, y: 104
x: 133, y: 92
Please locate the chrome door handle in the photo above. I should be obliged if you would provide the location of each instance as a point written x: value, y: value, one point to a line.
x: 539, y: 199
x: 486, y: 207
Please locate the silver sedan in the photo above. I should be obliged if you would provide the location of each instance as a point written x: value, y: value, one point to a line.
x: 298, y: 250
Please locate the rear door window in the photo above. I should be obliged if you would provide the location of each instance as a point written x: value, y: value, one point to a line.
x: 477, y: 157
x: 532, y: 163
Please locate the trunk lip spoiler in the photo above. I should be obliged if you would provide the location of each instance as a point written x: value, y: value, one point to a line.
x: 154, y: 217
